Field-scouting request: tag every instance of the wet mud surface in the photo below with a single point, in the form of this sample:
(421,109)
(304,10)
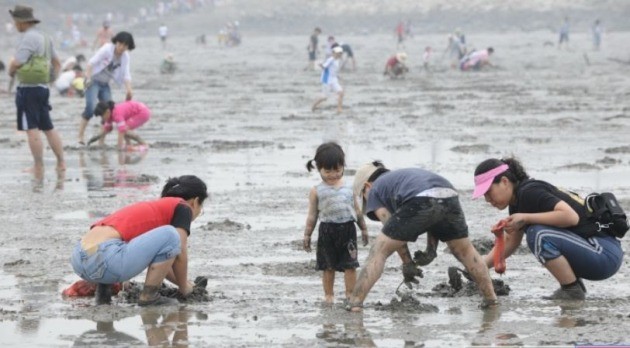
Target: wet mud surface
(242,122)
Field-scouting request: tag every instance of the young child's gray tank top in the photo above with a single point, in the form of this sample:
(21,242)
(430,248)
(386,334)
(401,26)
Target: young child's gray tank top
(335,204)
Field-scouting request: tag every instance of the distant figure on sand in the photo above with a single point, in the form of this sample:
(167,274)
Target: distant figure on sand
(330,80)
(32,96)
(72,62)
(110,62)
(163,32)
(400,35)
(150,235)
(168,65)
(125,116)
(597,34)
(70,82)
(103,36)
(395,66)
(348,54)
(331,202)
(476,60)
(426,57)
(564,33)
(313,48)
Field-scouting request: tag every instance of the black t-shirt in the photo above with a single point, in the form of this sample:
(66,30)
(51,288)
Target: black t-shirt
(536,196)
(182,217)
(314,42)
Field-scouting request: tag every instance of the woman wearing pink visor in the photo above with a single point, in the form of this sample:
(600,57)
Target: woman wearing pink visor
(551,218)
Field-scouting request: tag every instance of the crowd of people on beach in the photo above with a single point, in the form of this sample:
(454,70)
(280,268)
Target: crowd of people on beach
(562,231)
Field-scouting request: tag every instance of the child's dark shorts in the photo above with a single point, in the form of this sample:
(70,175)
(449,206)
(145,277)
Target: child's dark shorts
(443,217)
(337,246)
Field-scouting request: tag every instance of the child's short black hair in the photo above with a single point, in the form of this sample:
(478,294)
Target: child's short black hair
(328,156)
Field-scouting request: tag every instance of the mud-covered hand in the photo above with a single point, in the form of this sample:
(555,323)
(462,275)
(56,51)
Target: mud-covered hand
(515,223)
(410,272)
(307,243)
(93,139)
(423,258)
(364,237)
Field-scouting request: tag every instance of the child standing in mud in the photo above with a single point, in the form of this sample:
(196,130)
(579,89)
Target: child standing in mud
(330,80)
(331,202)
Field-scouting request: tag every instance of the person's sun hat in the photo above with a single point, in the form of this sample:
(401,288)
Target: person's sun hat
(401,56)
(23,14)
(360,178)
(337,49)
(484,180)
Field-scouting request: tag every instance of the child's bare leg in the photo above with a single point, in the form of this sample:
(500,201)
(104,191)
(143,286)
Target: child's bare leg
(340,102)
(350,278)
(317,102)
(328,280)
(134,137)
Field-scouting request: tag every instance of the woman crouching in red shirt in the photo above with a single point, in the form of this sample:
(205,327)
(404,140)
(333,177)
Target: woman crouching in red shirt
(150,235)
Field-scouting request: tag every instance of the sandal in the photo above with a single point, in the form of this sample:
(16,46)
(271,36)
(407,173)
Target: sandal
(354,307)
(158,301)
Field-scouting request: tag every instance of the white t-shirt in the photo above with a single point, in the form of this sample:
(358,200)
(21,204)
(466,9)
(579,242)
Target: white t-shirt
(163,31)
(331,68)
(64,80)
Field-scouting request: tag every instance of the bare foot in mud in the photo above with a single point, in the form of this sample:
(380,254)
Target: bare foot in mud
(329,299)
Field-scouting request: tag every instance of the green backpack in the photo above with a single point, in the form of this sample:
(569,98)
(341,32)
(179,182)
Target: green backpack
(37,69)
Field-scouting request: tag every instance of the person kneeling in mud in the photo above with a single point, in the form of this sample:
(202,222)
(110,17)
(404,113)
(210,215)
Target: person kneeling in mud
(476,60)
(151,235)
(126,116)
(554,222)
(410,202)
(395,66)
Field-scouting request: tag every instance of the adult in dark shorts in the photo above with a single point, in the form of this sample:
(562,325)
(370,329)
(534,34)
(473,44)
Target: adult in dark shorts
(313,49)
(32,98)
(410,202)
(553,220)
(348,54)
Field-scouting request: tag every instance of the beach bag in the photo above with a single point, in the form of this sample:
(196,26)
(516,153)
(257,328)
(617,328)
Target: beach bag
(37,69)
(605,215)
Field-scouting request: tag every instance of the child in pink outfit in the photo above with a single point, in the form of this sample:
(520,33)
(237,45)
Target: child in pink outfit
(125,116)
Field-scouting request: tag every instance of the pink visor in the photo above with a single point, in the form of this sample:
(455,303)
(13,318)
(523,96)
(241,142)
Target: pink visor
(483,181)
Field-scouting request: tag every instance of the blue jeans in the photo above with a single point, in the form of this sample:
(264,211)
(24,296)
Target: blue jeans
(117,261)
(97,90)
(595,258)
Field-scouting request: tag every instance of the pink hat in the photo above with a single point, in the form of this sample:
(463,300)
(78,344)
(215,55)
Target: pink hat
(483,181)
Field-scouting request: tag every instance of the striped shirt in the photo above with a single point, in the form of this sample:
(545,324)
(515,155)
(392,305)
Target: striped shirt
(335,204)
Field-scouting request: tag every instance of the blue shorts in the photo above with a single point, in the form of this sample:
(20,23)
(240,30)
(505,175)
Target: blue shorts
(117,261)
(33,108)
(97,92)
(595,258)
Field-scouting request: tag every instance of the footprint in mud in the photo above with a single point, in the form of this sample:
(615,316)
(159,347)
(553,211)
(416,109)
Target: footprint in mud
(131,293)
(579,166)
(457,287)
(229,145)
(618,149)
(289,269)
(226,225)
(407,302)
(475,148)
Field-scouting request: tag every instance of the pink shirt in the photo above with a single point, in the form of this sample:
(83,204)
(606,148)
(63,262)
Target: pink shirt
(479,56)
(128,115)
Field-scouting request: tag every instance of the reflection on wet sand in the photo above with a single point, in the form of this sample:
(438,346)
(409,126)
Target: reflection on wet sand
(100,174)
(162,327)
(352,333)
